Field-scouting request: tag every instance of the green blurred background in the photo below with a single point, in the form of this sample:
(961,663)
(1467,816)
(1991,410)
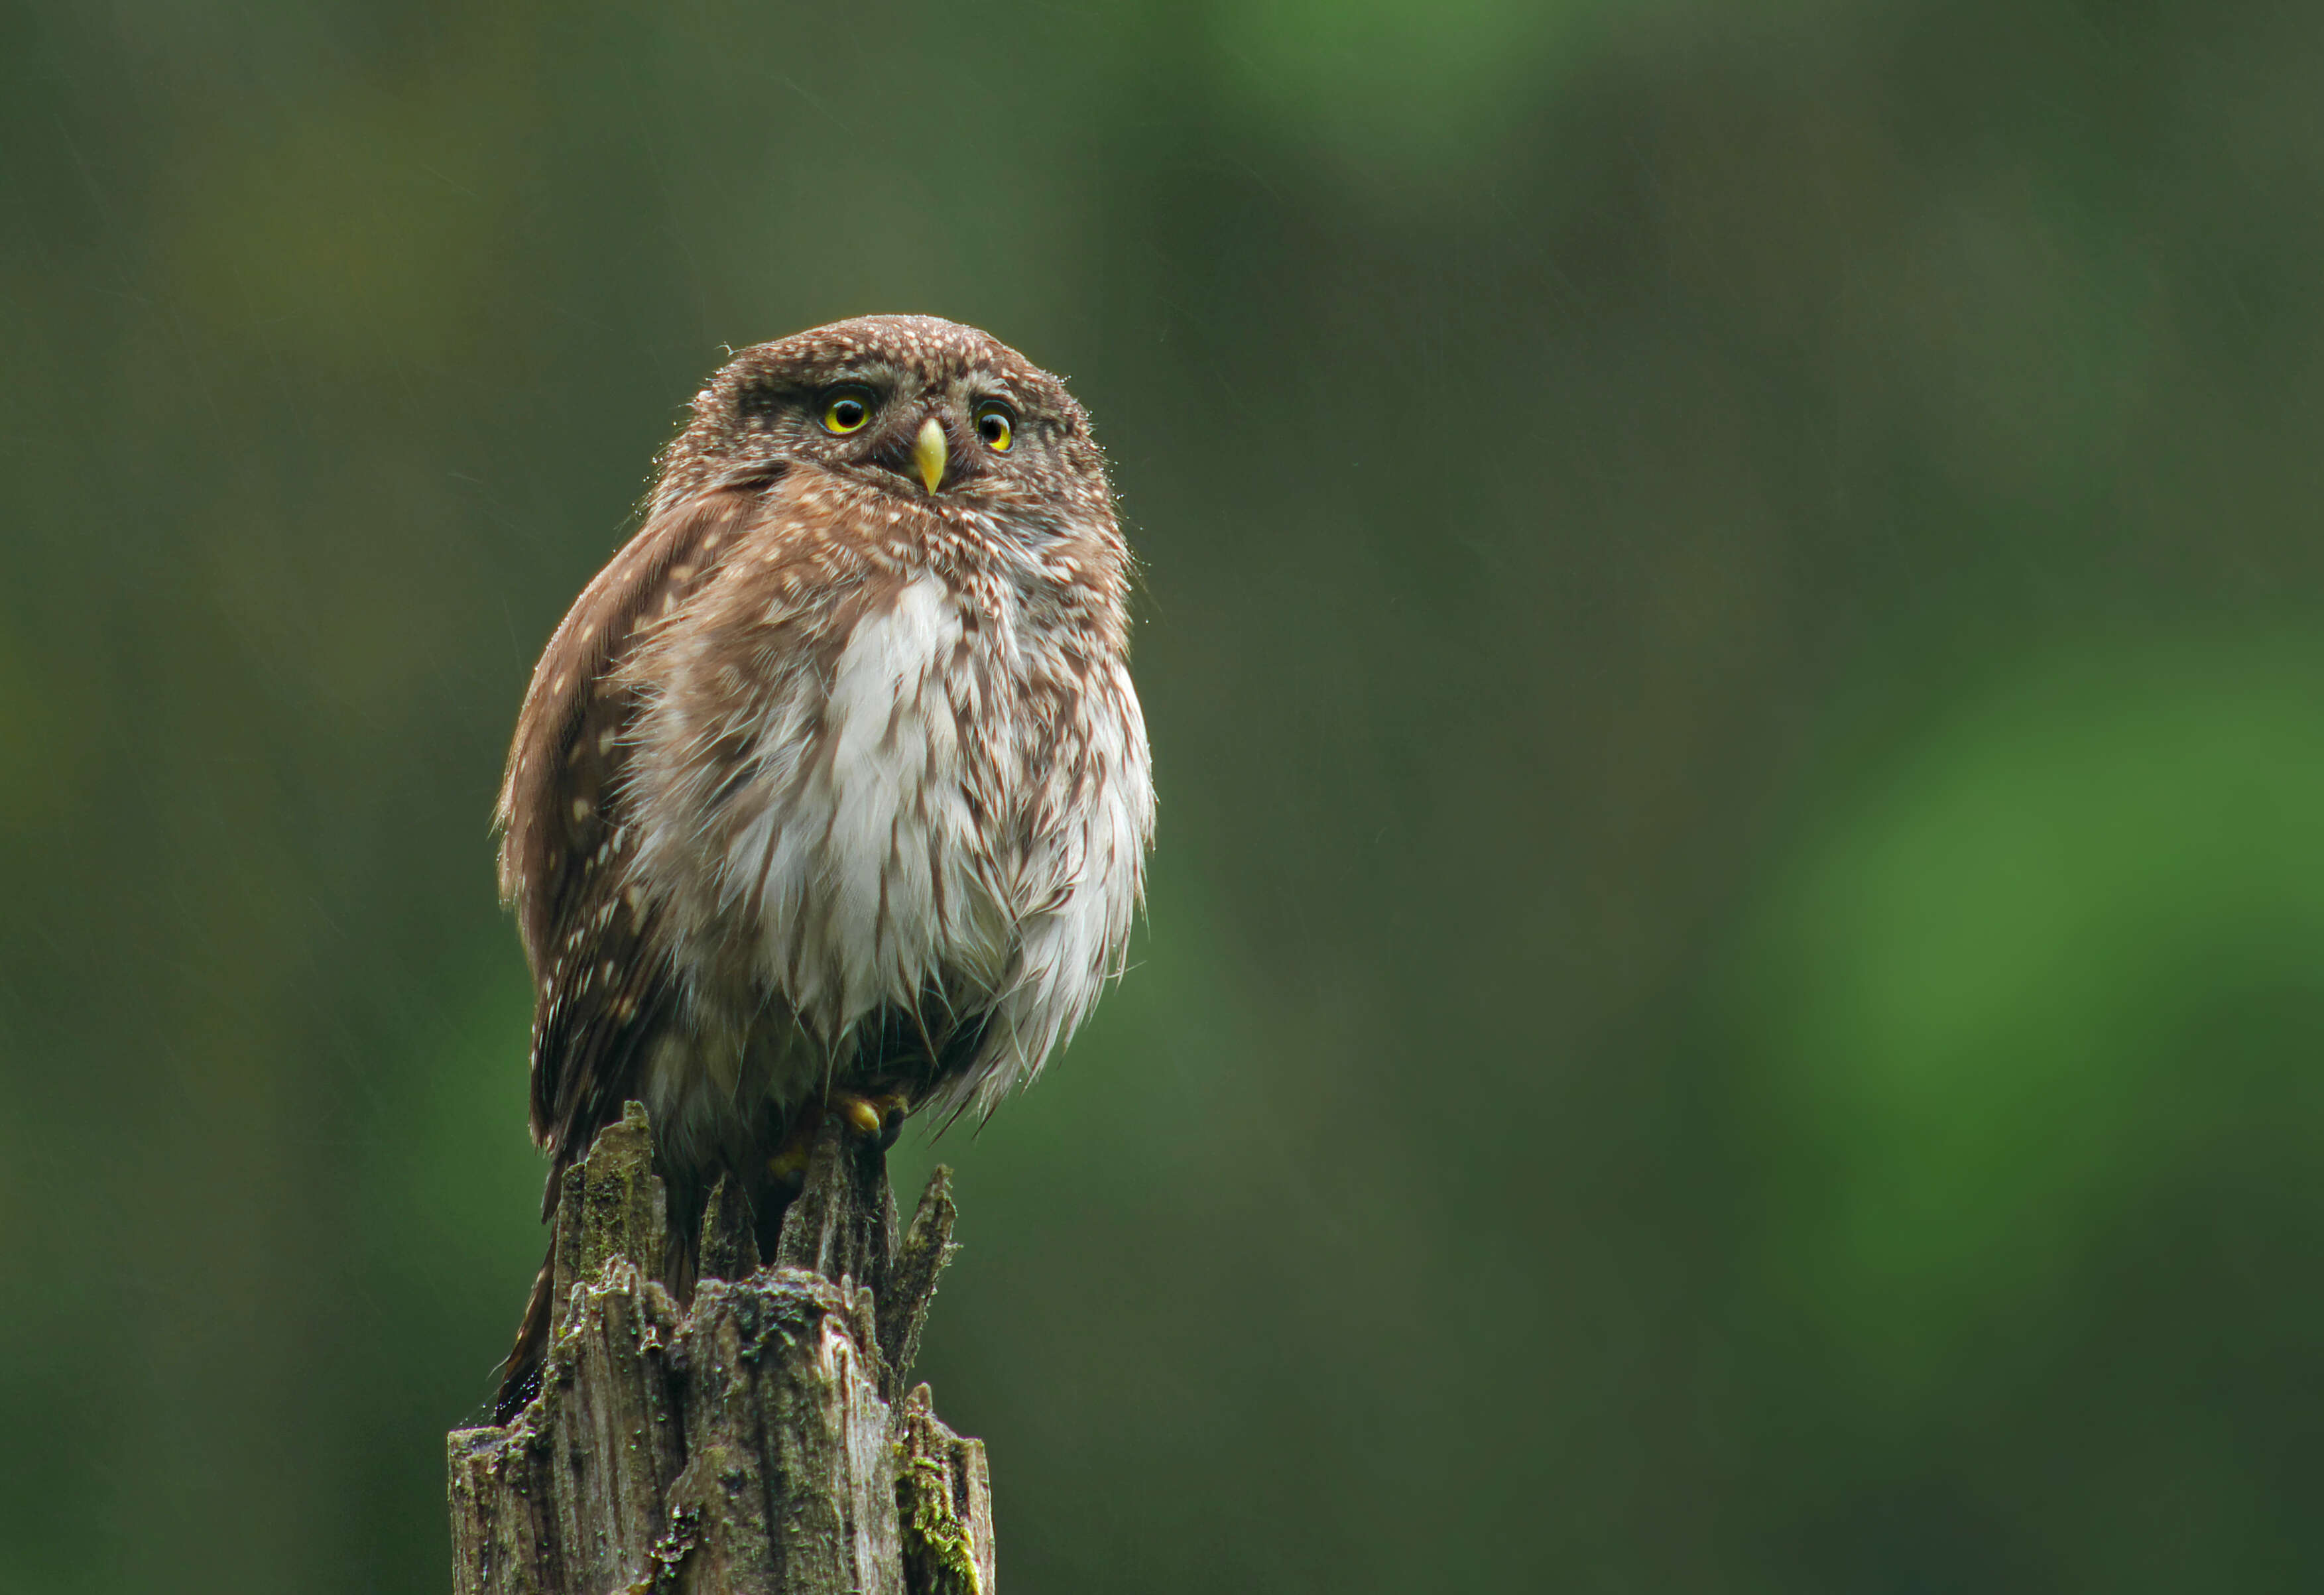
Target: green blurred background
(1731,627)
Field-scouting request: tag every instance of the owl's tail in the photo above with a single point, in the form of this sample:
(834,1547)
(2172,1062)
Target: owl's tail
(520,1374)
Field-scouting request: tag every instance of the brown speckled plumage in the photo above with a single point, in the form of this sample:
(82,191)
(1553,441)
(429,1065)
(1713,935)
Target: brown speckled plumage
(828,779)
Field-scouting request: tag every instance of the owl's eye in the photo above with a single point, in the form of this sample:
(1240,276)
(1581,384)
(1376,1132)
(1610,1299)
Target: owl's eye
(847,411)
(996,424)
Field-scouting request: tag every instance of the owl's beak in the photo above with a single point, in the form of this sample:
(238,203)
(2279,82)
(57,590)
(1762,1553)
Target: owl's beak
(929,452)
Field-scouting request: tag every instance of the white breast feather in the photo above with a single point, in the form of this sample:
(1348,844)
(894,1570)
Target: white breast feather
(849,858)
(1077,895)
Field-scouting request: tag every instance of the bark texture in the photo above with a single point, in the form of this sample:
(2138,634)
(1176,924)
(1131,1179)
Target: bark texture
(758,1442)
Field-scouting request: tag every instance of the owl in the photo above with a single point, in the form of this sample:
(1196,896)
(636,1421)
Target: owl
(831,792)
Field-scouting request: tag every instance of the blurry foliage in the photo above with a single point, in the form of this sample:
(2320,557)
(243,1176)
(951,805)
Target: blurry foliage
(2031,1034)
(1732,996)
(1978,998)
(1400,90)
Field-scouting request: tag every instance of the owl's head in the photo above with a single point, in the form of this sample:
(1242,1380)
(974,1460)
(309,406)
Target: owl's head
(922,407)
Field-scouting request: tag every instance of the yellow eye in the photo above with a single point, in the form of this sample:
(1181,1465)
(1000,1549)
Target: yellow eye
(995,425)
(846,412)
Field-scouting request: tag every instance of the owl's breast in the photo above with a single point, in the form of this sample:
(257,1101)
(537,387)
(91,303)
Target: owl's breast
(848,830)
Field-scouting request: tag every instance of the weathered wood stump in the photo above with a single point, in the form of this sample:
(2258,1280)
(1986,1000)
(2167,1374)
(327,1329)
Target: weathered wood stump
(757,1442)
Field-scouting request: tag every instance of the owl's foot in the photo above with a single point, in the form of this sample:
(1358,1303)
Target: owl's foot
(879,1117)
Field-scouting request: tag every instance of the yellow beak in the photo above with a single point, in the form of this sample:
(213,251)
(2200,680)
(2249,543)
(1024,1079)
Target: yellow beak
(929,452)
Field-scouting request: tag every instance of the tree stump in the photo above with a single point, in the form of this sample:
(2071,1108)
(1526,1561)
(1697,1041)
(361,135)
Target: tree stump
(758,1442)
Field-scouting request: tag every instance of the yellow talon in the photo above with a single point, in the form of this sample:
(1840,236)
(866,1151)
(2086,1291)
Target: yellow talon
(789,1165)
(875,1118)
(858,1112)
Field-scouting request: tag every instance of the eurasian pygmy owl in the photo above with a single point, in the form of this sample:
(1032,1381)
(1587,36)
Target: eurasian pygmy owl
(831,791)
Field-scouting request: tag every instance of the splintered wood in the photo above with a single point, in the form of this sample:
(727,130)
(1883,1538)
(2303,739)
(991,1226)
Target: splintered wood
(758,1442)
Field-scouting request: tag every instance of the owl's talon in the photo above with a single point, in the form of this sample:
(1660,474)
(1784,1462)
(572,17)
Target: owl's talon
(786,1167)
(858,1112)
(875,1118)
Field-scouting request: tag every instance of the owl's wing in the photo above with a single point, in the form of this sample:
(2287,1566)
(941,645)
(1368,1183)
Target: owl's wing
(602,983)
